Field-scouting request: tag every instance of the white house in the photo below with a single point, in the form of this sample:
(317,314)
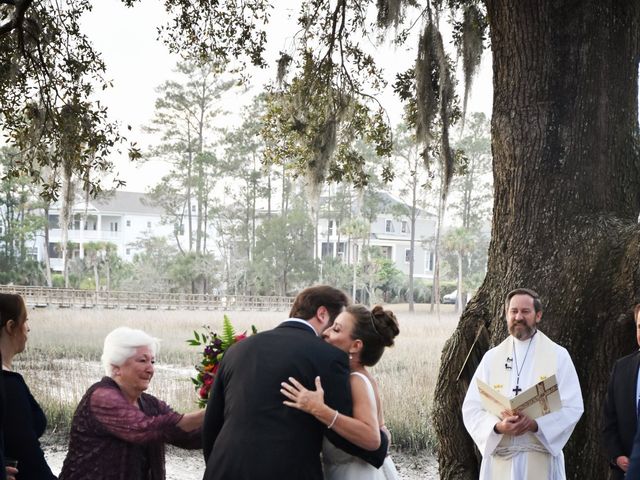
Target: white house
(121,219)
(390,232)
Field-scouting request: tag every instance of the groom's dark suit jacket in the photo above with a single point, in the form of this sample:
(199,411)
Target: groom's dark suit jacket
(619,411)
(249,434)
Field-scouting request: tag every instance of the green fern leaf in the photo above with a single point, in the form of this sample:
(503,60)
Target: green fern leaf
(228,333)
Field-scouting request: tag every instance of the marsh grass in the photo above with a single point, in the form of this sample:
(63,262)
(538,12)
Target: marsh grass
(63,359)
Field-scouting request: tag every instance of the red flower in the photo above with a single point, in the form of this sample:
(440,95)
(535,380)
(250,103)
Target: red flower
(204,392)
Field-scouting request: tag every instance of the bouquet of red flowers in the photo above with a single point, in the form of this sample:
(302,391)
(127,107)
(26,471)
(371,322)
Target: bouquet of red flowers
(214,347)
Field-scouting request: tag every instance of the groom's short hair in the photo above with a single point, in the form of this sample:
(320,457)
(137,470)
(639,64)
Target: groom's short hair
(308,301)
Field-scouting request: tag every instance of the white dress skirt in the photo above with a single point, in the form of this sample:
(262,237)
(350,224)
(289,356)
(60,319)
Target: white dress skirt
(339,465)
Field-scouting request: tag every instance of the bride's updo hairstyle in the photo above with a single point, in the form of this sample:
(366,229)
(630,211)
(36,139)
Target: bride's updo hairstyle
(121,344)
(376,328)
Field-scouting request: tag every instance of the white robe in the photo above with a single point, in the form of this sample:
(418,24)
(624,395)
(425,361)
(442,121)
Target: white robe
(554,429)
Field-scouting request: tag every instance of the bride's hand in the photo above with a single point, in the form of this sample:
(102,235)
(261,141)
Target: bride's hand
(309,401)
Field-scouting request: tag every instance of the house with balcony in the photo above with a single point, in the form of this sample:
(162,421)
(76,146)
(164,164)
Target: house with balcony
(390,232)
(121,219)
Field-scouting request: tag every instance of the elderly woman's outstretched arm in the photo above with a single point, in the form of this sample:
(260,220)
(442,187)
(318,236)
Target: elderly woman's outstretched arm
(127,422)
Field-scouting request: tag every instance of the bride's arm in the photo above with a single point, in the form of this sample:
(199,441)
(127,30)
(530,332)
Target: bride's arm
(383,427)
(362,429)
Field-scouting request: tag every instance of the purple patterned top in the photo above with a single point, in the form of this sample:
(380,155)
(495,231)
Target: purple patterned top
(113,440)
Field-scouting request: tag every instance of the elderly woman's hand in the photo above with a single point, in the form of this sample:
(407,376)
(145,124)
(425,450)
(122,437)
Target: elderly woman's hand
(309,401)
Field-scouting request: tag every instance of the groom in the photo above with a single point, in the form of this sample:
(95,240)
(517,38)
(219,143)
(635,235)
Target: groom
(248,432)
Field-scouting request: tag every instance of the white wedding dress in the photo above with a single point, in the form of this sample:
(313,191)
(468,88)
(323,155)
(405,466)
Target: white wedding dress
(339,465)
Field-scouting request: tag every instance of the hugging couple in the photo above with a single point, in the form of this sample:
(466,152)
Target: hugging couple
(284,395)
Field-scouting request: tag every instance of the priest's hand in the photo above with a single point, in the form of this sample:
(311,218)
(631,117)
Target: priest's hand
(515,425)
(622,462)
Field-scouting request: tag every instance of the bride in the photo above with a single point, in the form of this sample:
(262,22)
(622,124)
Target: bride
(363,334)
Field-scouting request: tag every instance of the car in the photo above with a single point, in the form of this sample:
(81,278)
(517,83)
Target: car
(450,298)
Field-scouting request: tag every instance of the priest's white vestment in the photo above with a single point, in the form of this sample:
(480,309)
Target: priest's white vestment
(531,456)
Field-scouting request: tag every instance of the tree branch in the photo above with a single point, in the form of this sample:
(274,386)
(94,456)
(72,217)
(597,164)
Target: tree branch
(16,20)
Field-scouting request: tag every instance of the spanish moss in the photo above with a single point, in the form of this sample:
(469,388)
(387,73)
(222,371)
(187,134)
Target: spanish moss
(470,47)
(446,94)
(283,67)
(390,12)
(426,84)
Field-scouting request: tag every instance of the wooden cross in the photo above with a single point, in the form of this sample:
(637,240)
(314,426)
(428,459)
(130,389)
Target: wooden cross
(541,397)
(542,394)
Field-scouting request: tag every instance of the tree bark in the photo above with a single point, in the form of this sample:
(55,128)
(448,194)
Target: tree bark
(412,241)
(45,253)
(566,204)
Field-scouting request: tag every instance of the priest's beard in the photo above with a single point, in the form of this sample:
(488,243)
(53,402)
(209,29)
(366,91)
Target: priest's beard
(521,333)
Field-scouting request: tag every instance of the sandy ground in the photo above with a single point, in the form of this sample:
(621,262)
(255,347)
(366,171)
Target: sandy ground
(188,465)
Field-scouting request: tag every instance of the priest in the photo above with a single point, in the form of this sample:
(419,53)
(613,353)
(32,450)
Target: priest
(515,446)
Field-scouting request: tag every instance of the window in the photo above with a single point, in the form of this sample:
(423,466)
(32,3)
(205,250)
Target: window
(76,222)
(148,224)
(54,250)
(54,221)
(387,251)
(113,226)
(128,223)
(327,249)
(341,249)
(405,226)
(330,228)
(388,226)
(407,255)
(193,208)
(179,229)
(429,263)
(128,251)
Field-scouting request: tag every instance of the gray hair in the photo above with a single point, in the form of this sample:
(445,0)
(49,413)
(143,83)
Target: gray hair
(122,343)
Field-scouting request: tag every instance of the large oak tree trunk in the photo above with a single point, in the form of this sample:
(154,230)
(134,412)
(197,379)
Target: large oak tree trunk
(567,198)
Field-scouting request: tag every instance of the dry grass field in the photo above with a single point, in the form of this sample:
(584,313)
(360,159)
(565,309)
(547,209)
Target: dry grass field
(63,352)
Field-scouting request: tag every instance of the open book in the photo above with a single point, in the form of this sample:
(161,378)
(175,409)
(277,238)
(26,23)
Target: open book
(540,399)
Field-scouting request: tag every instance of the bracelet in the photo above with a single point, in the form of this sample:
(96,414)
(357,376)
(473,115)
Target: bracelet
(333,422)
(495,429)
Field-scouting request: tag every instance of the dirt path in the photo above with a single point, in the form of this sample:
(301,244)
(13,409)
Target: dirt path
(188,465)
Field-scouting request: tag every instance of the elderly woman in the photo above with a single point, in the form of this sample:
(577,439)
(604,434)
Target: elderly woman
(118,431)
(23,420)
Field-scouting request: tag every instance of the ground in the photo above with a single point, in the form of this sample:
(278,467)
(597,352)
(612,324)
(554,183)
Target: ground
(188,465)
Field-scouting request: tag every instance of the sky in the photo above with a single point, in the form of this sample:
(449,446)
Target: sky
(138,63)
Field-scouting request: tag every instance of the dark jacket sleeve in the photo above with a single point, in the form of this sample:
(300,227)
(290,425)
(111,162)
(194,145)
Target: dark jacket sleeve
(634,465)
(214,415)
(338,395)
(3,475)
(23,424)
(611,441)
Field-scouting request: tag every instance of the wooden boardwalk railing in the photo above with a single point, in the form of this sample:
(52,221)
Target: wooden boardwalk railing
(68,298)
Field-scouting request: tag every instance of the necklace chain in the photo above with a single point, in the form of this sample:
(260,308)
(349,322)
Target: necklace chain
(515,359)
